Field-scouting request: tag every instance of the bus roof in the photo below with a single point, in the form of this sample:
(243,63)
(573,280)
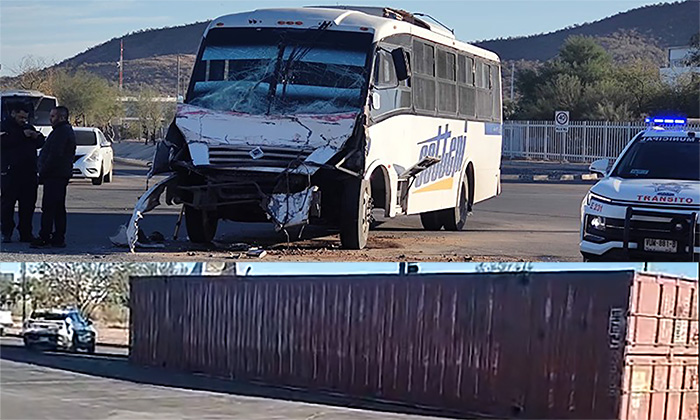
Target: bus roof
(383,21)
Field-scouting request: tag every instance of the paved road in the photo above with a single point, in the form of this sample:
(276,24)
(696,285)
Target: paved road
(528,221)
(57,385)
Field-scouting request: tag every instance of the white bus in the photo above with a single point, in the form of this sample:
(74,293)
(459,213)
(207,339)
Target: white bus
(323,114)
(38,104)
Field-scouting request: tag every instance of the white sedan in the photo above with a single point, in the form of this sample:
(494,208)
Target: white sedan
(94,158)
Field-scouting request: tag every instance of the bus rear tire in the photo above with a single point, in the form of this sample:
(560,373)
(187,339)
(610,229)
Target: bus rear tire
(455,219)
(355,214)
(201,225)
(431,220)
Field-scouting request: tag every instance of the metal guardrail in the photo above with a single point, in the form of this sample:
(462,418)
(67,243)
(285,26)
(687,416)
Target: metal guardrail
(585,141)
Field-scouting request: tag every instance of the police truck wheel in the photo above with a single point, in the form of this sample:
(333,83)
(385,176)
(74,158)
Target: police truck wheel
(201,225)
(356,212)
(430,220)
(74,345)
(455,219)
(100,177)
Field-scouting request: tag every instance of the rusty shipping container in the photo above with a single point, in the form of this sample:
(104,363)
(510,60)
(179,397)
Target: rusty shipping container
(586,344)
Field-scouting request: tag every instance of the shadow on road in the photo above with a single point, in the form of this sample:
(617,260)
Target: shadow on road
(114,366)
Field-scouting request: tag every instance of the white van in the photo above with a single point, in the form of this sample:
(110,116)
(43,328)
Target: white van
(38,104)
(94,157)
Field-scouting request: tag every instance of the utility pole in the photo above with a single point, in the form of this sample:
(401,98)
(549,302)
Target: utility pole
(177,94)
(512,79)
(121,63)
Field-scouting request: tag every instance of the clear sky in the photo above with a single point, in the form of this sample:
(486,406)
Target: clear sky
(54,30)
(689,270)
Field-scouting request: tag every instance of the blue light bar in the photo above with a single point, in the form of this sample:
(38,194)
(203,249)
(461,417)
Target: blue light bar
(666,121)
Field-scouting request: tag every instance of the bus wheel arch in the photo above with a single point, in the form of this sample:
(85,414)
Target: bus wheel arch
(455,219)
(380,188)
(469,173)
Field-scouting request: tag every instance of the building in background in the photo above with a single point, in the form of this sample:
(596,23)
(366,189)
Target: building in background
(678,64)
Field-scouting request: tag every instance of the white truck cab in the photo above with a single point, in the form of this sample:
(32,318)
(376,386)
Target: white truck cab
(646,206)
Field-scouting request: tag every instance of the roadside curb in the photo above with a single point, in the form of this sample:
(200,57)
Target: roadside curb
(550,177)
(133,162)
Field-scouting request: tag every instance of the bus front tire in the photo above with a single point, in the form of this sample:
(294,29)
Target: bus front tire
(201,225)
(355,214)
(455,219)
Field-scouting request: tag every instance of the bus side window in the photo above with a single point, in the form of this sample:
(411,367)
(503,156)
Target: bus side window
(423,83)
(484,100)
(384,71)
(447,88)
(466,92)
(496,93)
(393,94)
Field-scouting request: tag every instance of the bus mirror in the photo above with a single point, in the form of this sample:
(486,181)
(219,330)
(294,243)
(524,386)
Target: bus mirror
(401,64)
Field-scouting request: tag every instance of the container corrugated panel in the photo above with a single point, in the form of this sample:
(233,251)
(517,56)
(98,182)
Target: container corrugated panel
(532,345)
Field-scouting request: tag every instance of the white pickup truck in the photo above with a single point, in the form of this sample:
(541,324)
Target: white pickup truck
(647,206)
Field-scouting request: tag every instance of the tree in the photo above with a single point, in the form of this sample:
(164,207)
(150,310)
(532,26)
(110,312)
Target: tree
(92,100)
(584,58)
(10,290)
(33,73)
(151,112)
(639,82)
(121,284)
(693,59)
(83,285)
(561,83)
(582,80)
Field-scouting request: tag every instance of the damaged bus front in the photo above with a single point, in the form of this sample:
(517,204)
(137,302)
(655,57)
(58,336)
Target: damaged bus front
(272,128)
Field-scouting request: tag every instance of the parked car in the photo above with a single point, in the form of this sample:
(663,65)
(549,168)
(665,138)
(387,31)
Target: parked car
(94,157)
(646,206)
(54,329)
(5,321)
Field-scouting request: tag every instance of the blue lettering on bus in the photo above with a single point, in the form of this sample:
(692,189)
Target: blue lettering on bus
(449,149)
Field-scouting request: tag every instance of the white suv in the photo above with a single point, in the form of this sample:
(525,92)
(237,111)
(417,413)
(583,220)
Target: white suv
(647,205)
(94,157)
(59,329)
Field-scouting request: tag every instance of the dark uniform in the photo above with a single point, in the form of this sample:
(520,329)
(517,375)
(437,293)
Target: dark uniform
(19,180)
(55,169)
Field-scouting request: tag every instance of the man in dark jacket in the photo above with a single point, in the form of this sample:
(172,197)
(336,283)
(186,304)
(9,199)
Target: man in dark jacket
(55,169)
(18,145)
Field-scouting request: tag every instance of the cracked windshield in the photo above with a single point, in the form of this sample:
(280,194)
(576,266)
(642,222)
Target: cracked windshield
(281,72)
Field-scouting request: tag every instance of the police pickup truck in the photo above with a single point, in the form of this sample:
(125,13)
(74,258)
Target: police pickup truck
(646,206)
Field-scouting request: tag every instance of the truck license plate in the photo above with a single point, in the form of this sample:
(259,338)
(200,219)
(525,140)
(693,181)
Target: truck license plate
(660,245)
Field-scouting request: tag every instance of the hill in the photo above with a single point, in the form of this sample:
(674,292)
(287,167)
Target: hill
(144,44)
(663,25)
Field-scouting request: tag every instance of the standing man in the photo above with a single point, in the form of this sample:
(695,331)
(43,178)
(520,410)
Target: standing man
(18,145)
(55,169)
